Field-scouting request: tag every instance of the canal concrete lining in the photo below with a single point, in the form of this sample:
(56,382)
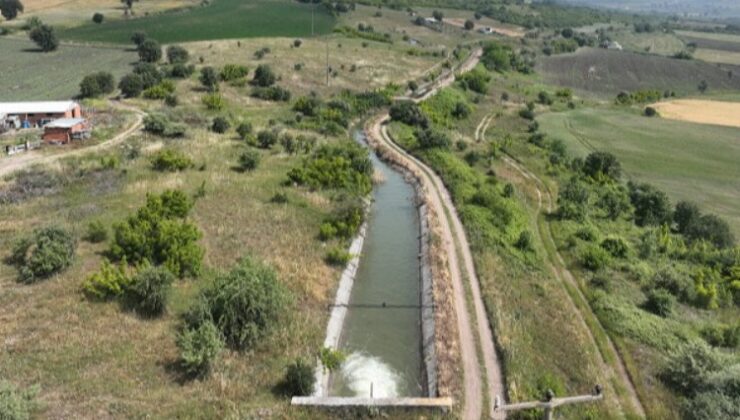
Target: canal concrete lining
(442,404)
(428,341)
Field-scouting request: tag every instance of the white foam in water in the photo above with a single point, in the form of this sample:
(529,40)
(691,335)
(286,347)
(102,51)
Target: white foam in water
(360,370)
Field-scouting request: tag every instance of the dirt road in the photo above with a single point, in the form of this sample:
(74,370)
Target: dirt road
(14,163)
(473,327)
(560,270)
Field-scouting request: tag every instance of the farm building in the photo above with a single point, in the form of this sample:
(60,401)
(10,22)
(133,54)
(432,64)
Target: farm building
(36,114)
(64,130)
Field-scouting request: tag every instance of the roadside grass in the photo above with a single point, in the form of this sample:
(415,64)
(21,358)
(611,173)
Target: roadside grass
(541,342)
(694,162)
(601,73)
(28,74)
(222,19)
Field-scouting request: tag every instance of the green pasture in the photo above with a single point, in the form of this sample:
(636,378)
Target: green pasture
(223,19)
(689,161)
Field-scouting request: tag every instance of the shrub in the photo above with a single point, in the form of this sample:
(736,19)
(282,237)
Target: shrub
(509,190)
(244,304)
(96,232)
(131,85)
(149,290)
(721,335)
(209,79)
(264,76)
(272,93)
(602,164)
(650,111)
(297,43)
(177,54)
(199,348)
(524,242)
(344,222)
(47,252)
(331,359)
(171,101)
(652,206)
(689,366)
(109,282)
(16,403)
(160,91)
(220,125)
(149,51)
(149,73)
(712,405)
(337,256)
(181,71)
(139,37)
(267,138)
(98,18)
(587,233)
(299,378)
(96,84)
(244,130)
(594,258)
(475,80)
(430,138)
(231,72)
(213,101)
(156,234)
(461,111)
(408,113)
(617,247)
(249,160)
(660,302)
(338,166)
(171,161)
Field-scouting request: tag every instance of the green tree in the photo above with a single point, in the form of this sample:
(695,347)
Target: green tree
(138,38)
(149,73)
(96,84)
(438,16)
(652,206)
(469,25)
(199,348)
(602,164)
(45,37)
(10,8)
(150,51)
(209,78)
(703,86)
(131,85)
(98,18)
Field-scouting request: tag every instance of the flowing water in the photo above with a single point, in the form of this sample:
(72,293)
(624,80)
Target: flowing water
(383,344)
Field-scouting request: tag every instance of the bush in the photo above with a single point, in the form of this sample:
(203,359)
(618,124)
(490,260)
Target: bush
(721,335)
(177,54)
(181,71)
(587,233)
(272,93)
(712,406)
(171,101)
(594,258)
(209,78)
(599,165)
(264,76)
(157,234)
(199,348)
(109,282)
(160,91)
(524,242)
(98,18)
(650,111)
(299,379)
(131,85)
(96,84)
(689,366)
(47,252)
(244,304)
(220,125)
(149,290)
(96,232)
(249,160)
(244,130)
(231,72)
(267,138)
(161,125)
(652,206)
(338,166)
(337,256)
(475,80)
(15,403)
(617,247)
(408,113)
(214,101)
(171,161)
(149,73)
(430,138)
(660,302)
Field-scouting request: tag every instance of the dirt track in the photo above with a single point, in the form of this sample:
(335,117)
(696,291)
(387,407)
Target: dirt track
(473,328)
(15,163)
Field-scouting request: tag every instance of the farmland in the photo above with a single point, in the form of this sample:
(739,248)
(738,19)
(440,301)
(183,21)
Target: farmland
(223,19)
(599,72)
(689,161)
(701,111)
(31,75)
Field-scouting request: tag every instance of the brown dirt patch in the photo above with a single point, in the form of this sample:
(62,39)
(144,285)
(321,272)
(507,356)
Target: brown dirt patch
(512,31)
(701,111)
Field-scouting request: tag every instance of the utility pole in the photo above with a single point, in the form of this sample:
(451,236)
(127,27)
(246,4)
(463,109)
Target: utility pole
(550,403)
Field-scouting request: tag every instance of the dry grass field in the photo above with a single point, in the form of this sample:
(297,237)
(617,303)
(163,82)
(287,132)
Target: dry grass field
(718,56)
(77,12)
(701,111)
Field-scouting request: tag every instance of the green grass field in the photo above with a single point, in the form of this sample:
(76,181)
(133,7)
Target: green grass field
(31,75)
(600,72)
(223,19)
(689,161)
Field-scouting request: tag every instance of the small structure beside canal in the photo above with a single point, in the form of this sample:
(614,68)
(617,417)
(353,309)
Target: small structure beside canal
(64,130)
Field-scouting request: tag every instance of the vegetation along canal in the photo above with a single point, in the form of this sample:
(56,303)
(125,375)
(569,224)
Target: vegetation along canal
(383,342)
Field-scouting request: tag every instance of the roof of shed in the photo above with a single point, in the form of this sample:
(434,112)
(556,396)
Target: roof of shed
(65,122)
(36,107)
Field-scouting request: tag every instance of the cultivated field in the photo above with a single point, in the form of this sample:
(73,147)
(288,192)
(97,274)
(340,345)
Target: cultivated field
(718,56)
(700,111)
(77,12)
(223,19)
(31,75)
(654,43)
(608,72)
(689,161)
